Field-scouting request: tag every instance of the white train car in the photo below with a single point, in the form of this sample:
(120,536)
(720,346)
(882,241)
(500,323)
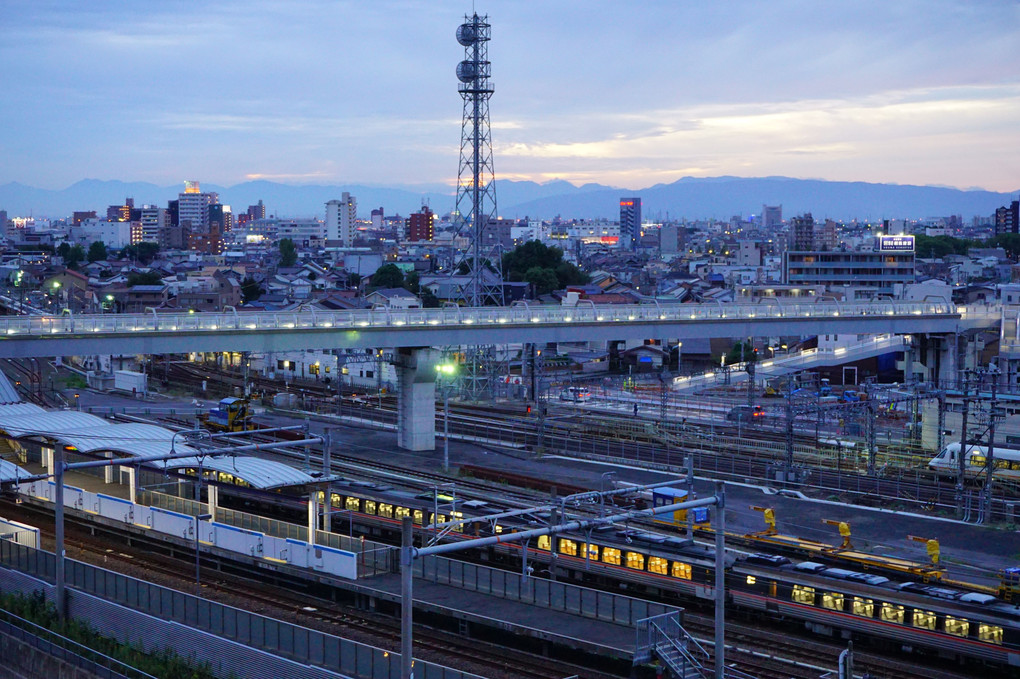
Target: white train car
(975,462)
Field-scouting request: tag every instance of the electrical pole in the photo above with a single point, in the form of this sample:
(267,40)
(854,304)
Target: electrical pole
(961,466)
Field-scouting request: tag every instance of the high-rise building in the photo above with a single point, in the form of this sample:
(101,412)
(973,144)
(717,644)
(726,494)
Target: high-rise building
(257,211)
(802,233)
(340,217)
(669,238)
(771,216)
(121,213)
(630,222)
(1007,219)
(377,219)
(421,225)
(153,220)
(193,207)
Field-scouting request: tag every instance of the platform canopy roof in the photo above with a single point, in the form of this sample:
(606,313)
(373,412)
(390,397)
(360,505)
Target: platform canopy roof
(89,433)
(257,472)
(10,472)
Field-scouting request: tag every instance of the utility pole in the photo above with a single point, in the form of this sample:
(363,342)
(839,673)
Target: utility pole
(986,491)
(961,466)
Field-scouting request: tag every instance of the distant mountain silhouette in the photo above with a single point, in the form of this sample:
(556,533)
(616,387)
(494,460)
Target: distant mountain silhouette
(690,197)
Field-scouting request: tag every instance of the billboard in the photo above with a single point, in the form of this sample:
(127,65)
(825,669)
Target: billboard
(896,244)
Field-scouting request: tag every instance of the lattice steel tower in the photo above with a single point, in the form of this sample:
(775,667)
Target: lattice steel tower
(476,187)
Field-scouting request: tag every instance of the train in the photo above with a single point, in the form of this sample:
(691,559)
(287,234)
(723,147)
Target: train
(938,620)
(1007,462)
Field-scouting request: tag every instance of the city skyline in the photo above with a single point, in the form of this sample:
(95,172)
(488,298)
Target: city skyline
(314,92)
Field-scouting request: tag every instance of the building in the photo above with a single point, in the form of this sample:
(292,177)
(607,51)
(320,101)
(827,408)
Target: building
(377,219)
(863,274)
(771,216)
(154,220)
(420,225)
(114,234)
(669,239)
(1007,219)
(305,233)
(193,208)
(340,217)
(630,222)
(802,233)
(78,217)
(257,211)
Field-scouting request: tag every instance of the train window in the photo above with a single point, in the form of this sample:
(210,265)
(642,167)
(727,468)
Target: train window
(892,613)
(401,512)
(593,552)
(611,555)
(863,607)
(352,503)
(457,516)
(990,633)
(419,517)
(439,518)
(656,564)
(386,510)
(751,579)
(568,547)
(636,560)
(544,542)
(924,619)
(335,500)
(681,570)
(977,460)
(804,595)
(833,601)
(370,506)
(957,626)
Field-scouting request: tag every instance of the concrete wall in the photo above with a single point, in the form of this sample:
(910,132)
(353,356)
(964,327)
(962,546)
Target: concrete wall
(21,661)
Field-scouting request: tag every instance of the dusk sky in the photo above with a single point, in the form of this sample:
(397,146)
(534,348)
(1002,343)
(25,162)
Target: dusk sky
(623,93)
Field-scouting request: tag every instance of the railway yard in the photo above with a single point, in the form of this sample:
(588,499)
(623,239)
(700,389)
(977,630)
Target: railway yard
(811,566)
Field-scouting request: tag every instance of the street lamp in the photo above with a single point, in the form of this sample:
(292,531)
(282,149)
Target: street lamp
(198,576)
(446,373)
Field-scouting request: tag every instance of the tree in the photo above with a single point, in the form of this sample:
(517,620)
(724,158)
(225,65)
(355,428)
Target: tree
(250,289)
(64,248)
(74,256)
(143,252)
(353,280)
(543,279)
(518,264)
(428,299)
(147,278)
(412,282)
(568,274)
(97,251)
(1010,242)
(288,252)
(388,276)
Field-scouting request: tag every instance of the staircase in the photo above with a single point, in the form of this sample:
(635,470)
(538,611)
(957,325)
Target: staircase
(662,638)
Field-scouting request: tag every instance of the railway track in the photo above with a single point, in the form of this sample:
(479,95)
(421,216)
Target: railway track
(435,645)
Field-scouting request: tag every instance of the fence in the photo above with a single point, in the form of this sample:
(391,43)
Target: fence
(229,637)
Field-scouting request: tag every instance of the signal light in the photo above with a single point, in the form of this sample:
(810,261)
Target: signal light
(529,410)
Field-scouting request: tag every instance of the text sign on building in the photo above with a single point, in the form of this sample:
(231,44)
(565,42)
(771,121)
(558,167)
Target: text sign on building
(896,244)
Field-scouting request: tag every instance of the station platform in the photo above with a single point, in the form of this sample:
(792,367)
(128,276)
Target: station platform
(562,629)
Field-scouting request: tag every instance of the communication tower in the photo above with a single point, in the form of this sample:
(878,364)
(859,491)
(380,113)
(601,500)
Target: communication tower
(476,187)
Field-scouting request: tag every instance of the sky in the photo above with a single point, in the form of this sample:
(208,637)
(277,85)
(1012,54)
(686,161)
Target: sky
(628,94)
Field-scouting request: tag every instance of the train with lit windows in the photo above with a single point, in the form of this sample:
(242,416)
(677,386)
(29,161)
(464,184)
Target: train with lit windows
(934,619)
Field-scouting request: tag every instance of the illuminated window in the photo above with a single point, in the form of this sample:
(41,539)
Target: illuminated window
(924,619)
(892,613)
(833,601)
(544,542)
(497,529)
(457,516)
(593,552)
(804,595)
(611,555)
(990,633)
(353,503)
(385,510)
(568,547)
(440,518)
(636,561)
(335,500)
(681,570)
(419,517)
(401,512)
(751,579)
(656,564)
(957,626)
(864,607)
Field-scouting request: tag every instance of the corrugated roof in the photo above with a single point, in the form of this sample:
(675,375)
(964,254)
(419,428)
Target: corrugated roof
(262,474)
(11,472)
(52,423)
(20,409)
(8,394)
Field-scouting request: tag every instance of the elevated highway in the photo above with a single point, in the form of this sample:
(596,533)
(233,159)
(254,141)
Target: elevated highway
(168,333)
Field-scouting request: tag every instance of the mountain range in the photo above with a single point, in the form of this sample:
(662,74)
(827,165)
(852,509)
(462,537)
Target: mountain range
(690,197)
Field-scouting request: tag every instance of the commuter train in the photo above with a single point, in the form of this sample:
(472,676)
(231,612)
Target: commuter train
(949,623)
(975,462)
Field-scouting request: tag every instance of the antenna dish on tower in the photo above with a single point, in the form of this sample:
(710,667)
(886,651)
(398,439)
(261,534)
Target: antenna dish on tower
(467,34)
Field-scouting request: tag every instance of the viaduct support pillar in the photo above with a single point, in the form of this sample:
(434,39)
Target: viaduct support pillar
(416,399)
(949,360)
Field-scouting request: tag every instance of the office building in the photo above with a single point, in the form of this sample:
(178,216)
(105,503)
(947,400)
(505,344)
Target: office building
(340,217)
(630,223)
(669,239)
(884,269)
(1007,219)
(154,220)
(771,216)
(193,208)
